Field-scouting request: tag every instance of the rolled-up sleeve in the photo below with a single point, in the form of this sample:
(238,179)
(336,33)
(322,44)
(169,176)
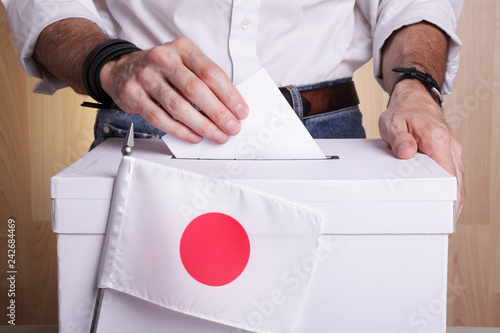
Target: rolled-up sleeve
(27,19)
(386,16)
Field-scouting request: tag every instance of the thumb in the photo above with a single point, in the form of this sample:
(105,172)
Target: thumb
(397,138)
(403,145)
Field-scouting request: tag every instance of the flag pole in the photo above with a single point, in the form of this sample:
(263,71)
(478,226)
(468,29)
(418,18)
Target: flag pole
(97,310)
(128,144)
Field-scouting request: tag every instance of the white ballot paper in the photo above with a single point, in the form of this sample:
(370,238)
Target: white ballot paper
(272,130)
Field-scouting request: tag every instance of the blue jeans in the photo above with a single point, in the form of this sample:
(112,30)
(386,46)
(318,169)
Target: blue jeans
(344,123)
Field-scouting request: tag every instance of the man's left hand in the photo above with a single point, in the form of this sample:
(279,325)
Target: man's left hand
(413,122)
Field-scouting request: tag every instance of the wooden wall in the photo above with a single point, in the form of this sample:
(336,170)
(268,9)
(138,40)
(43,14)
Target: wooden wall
(40,135)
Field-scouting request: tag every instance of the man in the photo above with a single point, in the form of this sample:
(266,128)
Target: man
(194,51)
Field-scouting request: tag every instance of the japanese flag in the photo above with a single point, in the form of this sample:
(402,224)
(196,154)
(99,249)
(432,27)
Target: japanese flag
(226,257)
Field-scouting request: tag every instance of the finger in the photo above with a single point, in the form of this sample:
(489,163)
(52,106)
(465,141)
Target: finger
(447,151)
(134,99)
(218,82)
(160,119)
(193,88)
(457,153)
(215,78)
(395,134)
(183,112)
(436,142)
(197,91)
(142,96)
(143,86)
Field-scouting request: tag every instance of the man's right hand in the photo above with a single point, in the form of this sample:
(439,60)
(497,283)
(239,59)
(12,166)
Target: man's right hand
(172,76)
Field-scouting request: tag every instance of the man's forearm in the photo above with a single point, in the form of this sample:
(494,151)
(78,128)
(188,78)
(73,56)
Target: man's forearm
(414,121)
(420,45)
(63,46)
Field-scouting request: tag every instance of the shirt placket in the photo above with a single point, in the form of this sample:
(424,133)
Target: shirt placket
(243,39)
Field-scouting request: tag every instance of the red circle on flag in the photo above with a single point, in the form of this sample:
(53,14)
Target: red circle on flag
(214,249)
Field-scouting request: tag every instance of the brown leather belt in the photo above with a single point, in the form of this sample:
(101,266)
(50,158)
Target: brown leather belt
(325,99)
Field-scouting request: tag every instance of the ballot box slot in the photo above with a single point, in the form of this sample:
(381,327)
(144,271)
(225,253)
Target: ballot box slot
(329,157)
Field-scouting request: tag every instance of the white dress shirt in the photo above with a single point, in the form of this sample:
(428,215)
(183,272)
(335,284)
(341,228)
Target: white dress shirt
(297,41)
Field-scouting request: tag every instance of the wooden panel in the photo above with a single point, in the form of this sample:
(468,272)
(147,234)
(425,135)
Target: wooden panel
(473,115)
(467,266)
(14,169)
(40,135)
(60,133)
(494,301)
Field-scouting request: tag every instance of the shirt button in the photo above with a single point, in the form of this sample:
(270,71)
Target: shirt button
(245,24)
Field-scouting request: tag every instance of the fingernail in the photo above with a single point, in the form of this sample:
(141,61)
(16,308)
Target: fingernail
(221,137)
(403,148)
(233,127)
(241,111)
(193,138)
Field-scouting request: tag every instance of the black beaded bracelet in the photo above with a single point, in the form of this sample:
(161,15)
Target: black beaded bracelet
(425,78)
(97,58)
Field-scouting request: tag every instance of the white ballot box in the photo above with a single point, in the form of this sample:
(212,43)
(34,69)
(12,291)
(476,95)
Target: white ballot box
(382,265)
